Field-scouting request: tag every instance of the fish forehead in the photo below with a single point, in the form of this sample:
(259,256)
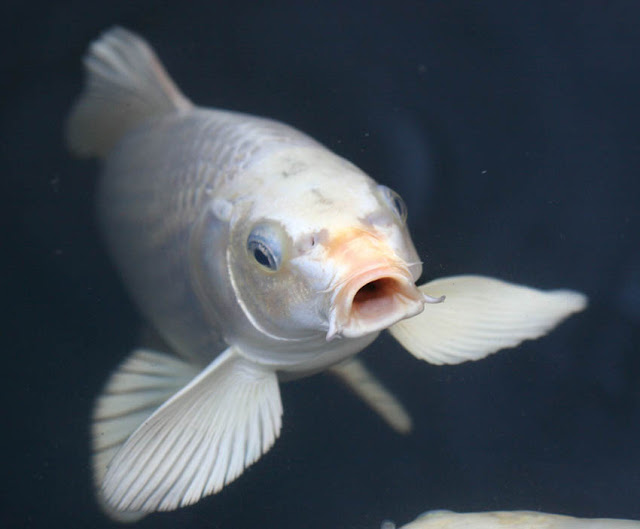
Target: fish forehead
(310,190)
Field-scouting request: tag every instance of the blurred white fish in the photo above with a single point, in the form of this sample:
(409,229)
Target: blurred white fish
(257,255)
(513,520)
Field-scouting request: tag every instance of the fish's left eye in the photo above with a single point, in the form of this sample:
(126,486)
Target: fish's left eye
(395,201)
(264,244)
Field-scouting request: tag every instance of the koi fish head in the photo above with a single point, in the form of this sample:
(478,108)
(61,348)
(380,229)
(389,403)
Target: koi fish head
(329,255)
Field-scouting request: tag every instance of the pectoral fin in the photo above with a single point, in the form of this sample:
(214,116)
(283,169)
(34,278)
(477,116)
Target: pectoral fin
(364,384)
(480,316)
(142,383)
(199,440)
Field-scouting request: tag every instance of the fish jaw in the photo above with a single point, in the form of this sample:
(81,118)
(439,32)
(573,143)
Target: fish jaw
(378,291)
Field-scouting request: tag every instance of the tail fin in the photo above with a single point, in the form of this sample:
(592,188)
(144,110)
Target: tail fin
(125,84)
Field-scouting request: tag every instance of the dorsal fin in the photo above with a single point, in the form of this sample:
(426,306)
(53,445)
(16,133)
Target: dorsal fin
(125,84)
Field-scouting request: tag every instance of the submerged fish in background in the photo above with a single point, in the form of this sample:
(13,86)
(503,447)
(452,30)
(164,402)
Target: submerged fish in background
(513,520)
(257,255)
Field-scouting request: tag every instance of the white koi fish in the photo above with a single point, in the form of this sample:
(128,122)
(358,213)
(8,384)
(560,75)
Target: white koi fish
(257,255)
(513,520)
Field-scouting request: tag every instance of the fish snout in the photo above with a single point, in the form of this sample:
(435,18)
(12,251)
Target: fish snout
(378,292)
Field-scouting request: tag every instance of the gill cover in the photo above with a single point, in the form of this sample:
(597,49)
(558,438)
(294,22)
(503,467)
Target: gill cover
(274,296)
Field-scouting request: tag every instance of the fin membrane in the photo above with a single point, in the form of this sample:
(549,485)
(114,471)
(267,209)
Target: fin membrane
(480,316)
(143,382)
(366,386)
(199,440)
(125,84)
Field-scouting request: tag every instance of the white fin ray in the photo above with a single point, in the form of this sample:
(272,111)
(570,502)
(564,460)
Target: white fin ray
(134,391)
(125,84)
(481,315)
(364,384)
(199,440)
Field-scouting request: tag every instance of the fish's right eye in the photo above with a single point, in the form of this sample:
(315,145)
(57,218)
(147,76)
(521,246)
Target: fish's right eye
(395,201)
(263,255)
(265,246)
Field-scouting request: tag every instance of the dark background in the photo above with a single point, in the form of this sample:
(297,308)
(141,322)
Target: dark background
(512,129)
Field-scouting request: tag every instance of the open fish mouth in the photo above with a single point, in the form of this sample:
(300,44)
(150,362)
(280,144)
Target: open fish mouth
(374,300)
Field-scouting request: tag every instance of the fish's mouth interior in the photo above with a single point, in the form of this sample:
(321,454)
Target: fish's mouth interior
(374,298)
(373,301)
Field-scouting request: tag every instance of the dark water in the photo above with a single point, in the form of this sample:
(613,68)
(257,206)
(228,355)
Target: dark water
(512,131)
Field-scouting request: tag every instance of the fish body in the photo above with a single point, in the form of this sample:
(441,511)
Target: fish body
(514,520)
(257,255)
(177,266)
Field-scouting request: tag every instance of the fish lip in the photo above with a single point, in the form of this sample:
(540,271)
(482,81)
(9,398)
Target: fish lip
(399,299)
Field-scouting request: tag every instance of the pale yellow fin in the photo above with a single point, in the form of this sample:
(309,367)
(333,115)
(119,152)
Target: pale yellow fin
(481,315)
(143,382)
(364,384)
(125,84)
(513,520)
(198,441)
